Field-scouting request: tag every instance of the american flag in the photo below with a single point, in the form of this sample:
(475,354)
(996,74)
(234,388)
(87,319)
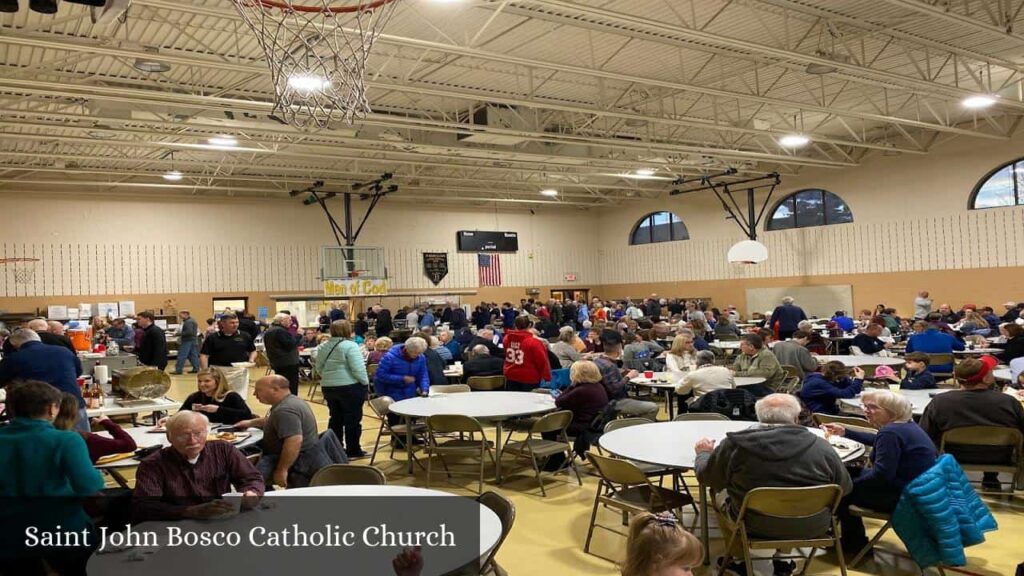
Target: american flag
(489,266)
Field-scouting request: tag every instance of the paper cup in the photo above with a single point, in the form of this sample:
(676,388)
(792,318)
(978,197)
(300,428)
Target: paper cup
(648,374)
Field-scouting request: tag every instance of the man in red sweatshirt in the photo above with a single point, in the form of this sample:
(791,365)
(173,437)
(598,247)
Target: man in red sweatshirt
(526,358)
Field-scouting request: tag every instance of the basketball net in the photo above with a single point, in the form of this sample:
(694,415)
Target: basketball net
(317,55)
(22,269)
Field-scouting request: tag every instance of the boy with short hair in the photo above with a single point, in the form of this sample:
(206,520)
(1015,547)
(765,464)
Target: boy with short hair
(918,376)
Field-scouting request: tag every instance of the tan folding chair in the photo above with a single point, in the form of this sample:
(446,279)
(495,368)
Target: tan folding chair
(887,524)
(939,359)
(486,383)
(348,475)
(535,446)
(852,422)
(990,436)
(625,487)
(783,503)
(792,371)
(726,337)
(506,512)
(371,371)
(440,445)
(699,416)
(450,389)
(381,405)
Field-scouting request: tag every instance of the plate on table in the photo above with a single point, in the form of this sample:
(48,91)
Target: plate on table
(226,436)
(842,446)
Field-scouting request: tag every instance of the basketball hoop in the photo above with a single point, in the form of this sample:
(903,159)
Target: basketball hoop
(317,55)
(23,269)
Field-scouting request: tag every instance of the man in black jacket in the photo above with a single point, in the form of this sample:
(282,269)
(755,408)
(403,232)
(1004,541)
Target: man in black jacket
(283,351)
(153,348)
(247,324)
(484,337)
(481,363)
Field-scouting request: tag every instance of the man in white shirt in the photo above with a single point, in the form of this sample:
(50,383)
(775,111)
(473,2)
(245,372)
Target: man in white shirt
(922,305)
(412,319)
(705,378)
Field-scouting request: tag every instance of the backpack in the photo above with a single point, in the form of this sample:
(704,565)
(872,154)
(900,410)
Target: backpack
(735,404)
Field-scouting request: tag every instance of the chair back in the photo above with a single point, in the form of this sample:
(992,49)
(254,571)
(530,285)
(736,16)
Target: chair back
(983,436)
(617,472)
(484,383)
(792,371)
(625,423)
(940,359)
(553,422)
(699,416)
(506,512)
(450,388)
(858,424)
(792,503)
(453,423)
(381,405)
(371,370)
(348,475)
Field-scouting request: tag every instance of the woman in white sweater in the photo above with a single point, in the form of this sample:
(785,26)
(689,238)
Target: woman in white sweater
(680,357)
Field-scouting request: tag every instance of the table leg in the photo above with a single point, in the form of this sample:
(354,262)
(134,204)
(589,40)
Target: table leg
(121,481)
(497,451)
(408,442)
(704,536)
(671,405)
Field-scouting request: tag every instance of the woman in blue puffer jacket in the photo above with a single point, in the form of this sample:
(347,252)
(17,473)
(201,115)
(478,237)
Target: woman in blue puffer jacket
(402,371)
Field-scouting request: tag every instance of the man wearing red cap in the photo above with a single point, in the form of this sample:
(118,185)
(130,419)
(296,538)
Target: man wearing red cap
(974,404)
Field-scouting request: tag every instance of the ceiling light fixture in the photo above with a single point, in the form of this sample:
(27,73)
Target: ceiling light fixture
(173,175)
(978,102)
(151,64)
(550,192)
(646,171)
(223,141)
(794,140)
(308,83)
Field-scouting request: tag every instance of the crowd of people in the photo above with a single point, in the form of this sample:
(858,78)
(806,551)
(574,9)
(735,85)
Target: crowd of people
(598,347)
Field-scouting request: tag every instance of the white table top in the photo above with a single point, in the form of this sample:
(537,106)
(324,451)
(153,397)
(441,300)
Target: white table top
(861,360)
(918,398)
(490,524)
(671,443)
(1003,374)
(726,345)
(977,351)
(480,405)
(664,380)
(144,439)
(110,407)
(168,560)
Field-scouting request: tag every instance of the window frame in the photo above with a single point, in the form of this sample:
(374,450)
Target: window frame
(792,199)
(1018,195)
(648,218)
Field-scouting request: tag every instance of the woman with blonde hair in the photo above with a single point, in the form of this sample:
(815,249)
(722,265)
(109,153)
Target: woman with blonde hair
(681,356)
(659,546)
(344,382)
(215,399)
(380,348)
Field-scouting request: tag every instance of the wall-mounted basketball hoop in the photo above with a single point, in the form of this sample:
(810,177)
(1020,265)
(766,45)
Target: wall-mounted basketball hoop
(748,251)
(23,269)
(317,53)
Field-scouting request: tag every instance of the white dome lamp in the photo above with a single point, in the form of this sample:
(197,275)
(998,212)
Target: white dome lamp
(748,252)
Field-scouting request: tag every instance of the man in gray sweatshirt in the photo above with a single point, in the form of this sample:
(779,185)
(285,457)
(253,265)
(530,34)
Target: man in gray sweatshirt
(777,453)
(188,343)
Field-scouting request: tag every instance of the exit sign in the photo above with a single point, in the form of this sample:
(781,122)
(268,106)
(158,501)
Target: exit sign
(570,277)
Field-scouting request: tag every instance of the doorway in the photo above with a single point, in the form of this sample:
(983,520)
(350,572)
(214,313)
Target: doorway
(234,303)
(575,294)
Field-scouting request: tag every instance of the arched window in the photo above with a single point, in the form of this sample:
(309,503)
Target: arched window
(1003,186)
(812,207)
(658,227)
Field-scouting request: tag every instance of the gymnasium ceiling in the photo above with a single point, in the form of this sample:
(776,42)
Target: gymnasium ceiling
(582,94)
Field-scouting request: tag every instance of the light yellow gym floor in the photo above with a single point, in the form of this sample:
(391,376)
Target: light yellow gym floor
(548,534)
